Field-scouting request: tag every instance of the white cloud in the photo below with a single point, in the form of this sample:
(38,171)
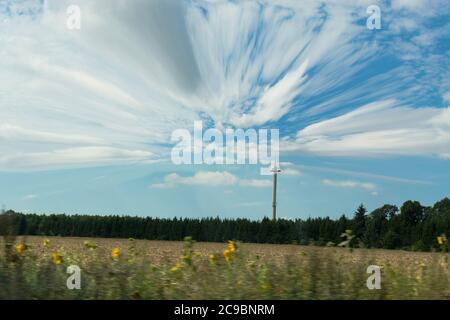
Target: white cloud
(30,197)
(209,178)
(383,128)
(275,101)
(365,175)
(72,157)
(290,172)
(289,169)
(107,85)
(205,178)
(139,70)
(350,184)
(413,5)
(136,72)
(256,183)
(18,134)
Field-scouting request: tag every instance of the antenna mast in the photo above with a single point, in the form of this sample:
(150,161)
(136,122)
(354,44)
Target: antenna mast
(275,171)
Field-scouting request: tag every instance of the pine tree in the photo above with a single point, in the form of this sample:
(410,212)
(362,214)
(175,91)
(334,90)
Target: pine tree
(359,222)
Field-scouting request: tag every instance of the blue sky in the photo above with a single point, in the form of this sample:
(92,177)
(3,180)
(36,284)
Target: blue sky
(86,116)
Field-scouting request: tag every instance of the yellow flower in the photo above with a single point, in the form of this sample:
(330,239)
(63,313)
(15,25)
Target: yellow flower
(440,240)
(176,267)
(45,242)
(211,258)
(57,259)
(227,254)
(232,246)
(115,253)
(20,248)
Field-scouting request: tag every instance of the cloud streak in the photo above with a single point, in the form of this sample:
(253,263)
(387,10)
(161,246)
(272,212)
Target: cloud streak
(349,184)
(378,129)
(114,91)
(211,179)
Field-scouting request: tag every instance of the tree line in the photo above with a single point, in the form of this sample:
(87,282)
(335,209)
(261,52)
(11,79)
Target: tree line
(410,227)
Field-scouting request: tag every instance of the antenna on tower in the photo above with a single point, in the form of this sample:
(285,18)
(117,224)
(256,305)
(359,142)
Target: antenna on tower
(275,170)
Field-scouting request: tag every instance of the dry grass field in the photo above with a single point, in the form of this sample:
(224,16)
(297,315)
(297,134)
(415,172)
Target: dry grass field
(35,268)
(161,252)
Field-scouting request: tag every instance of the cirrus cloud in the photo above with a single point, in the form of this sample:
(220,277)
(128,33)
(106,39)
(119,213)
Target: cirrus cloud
(377,129)
(141,69)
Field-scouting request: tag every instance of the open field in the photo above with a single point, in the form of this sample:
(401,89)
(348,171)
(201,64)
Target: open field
(142,269)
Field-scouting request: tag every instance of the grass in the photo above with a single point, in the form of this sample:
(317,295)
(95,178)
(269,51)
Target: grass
(142,269)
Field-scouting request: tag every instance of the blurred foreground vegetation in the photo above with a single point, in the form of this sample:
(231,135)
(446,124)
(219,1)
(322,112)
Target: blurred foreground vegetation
(38,270)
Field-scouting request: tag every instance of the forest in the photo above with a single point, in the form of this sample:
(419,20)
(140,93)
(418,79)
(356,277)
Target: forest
(410,227)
